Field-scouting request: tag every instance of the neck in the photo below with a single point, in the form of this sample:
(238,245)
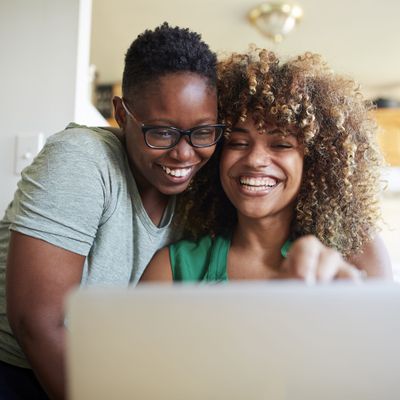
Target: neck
(264,237)
(271,228)
(154,202)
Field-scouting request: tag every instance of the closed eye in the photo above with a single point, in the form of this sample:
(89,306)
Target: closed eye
(283,145)
(160,132)
(236,144)
(238,138)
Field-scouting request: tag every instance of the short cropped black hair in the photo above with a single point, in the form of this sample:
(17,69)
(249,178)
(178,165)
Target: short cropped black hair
(166,49)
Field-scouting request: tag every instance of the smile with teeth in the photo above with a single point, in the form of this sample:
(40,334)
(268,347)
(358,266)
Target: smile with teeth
(177,172)
(257,184)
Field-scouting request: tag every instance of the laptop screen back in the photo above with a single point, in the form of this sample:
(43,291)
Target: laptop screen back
(235,341)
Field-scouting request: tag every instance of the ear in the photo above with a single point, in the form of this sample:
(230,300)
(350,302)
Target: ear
(119,112)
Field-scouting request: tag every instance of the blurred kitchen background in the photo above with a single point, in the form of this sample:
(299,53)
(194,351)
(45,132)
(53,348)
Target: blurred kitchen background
(62,61)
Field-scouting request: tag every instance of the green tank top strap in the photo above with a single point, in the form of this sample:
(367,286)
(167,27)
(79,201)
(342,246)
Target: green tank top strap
(204,260)
(286,247)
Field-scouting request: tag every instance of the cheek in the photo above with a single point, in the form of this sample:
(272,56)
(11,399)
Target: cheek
(227,160)
(205,153)
(134,142)
(297,170)
(294,163)
(224,167)
(299,166)
(141,154)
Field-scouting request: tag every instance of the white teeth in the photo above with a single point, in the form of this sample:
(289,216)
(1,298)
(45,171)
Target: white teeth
(178,172)
(257,182)
(256,188)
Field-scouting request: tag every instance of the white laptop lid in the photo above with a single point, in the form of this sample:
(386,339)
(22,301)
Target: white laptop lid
(235,341)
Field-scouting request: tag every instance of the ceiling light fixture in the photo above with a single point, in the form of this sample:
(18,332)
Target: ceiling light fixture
(275,18)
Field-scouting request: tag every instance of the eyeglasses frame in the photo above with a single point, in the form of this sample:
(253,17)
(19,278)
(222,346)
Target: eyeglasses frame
(182,132)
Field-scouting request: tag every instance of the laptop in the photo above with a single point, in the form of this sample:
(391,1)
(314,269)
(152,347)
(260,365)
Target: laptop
(253,341)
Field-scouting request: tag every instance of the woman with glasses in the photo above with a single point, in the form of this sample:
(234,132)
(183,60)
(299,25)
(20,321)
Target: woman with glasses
(299,158)
(97,203)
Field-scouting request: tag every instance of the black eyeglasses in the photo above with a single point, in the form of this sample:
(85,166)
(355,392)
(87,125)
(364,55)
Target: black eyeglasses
(166,137)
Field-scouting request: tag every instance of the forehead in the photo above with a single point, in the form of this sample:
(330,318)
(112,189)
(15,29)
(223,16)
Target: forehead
(187,84)
(252,125)
(181,99)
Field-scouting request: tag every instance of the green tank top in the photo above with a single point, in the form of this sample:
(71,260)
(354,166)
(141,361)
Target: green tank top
(203,260)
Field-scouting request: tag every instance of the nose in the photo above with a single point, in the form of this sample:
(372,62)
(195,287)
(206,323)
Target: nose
(182,151)
(259,156)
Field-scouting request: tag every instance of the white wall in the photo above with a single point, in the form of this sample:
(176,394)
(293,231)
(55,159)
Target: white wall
(38,42)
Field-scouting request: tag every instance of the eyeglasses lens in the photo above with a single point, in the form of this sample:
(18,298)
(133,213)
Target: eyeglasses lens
(166,138)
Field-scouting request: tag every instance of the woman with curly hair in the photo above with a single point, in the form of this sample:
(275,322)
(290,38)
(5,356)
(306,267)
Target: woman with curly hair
(299,158)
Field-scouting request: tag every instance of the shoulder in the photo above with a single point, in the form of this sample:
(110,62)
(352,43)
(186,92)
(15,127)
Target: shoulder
(185,260)
(90,140)
(192,260)
(374,259)
(91,151)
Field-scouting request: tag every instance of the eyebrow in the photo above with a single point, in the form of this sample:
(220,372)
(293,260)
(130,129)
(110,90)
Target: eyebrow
(170,123)
(164,122)
(276,131)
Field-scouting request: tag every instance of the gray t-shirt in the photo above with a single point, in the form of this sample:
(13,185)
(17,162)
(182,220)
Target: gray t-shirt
(79,194)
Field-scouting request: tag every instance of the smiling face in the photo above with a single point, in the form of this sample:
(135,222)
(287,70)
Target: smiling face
(181,100)
(261,172)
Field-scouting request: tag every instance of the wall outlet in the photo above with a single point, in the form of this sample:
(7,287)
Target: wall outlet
(26,149)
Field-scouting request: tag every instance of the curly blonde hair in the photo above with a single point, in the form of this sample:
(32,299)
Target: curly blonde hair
(338,201)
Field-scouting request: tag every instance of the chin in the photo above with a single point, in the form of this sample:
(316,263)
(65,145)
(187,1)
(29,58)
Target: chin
(173,190)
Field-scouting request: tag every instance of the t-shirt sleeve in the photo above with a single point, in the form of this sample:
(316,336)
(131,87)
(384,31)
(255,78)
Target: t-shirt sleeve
(61,198)
(190,260)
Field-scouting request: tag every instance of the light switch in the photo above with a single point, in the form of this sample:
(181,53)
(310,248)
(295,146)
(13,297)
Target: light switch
(27,147)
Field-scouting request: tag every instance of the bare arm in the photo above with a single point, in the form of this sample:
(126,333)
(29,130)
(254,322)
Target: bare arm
(374,259)
(38,277)
(159,268)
